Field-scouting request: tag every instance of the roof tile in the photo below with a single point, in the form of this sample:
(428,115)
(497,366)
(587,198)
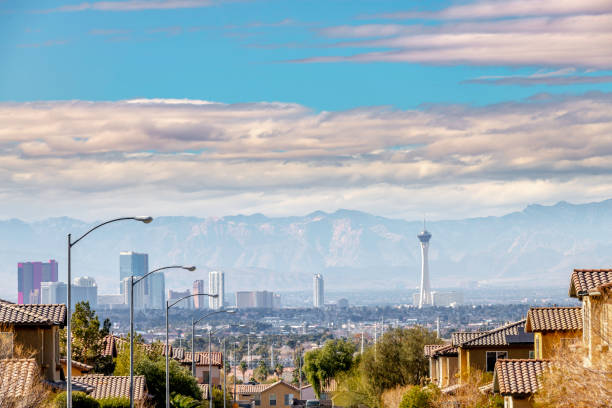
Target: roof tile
(114,386)
(500,336)
(584,280)
(17,377)
(32,315)
(512,377)
(543,319)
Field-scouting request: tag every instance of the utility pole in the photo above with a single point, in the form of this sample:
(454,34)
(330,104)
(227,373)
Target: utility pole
(235,368)
(300,368)
(362,342)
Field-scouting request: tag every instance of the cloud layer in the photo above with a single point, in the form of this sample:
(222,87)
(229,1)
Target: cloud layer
(198,157)
(570,33)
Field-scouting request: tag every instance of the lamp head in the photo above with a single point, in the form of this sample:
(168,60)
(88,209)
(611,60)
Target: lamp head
(230,311)
(144,219)
(189,268)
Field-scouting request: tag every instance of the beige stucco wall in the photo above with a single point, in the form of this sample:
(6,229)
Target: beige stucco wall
(43,342)
(598,331)
(476,358)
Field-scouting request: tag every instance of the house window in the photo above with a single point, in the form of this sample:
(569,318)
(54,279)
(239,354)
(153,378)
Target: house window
(288,399)
(493,356)
(532,354)
(258,401)
(272,400)
(6,344)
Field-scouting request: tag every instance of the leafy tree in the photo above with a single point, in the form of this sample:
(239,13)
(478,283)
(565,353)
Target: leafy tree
(323,364)
(397,359)
(243,368)
(261,372)
(278,370)
(152,366)
(79,400)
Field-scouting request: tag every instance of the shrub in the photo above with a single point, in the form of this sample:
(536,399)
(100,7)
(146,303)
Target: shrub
(416,397)
(79,400)
(114,403)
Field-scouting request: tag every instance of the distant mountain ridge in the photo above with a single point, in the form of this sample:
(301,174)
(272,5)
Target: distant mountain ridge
(354,250)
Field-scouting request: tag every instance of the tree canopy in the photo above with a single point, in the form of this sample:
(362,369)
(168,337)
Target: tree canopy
(321,365)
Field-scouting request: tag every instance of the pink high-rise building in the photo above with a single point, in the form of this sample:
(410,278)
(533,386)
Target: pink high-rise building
(29,276)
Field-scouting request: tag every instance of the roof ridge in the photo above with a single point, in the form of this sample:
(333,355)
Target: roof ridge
(592,270)
(496,330)
(554,307)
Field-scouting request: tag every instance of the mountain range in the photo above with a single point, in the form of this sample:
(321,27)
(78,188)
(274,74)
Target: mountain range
(537,246)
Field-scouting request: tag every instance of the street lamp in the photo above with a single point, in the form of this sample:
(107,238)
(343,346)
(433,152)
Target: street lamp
(210,333)
(168,306)
(71,243)
(193,324)
(133,283)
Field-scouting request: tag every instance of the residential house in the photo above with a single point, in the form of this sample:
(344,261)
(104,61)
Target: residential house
(278,394)
(201,363)
(517,380)
(78,368)
(34,328)
(481,352)
(434,362)
(594,288)
(553,327)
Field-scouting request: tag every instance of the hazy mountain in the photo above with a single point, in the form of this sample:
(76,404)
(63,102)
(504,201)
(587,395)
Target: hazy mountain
(537,246)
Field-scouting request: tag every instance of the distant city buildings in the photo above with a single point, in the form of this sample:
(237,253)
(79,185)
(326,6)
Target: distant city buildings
(111,301)
(29,277)
(216,286)
(199,302)
(53,292)
(157,291)
(85,289)
(255,299)
(132,263)
(174,295)
(425,291)
(318,297)
(149,293)
(343,303)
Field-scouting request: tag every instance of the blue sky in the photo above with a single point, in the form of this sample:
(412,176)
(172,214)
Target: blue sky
(216,107)
(245,51)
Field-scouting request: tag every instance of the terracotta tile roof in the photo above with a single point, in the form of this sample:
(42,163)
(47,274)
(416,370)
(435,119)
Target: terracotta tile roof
(584,280)
(201,357)
(502,336)
(115,386)
(518,377)
(431,348)
(109,346)
(17,377)
(242,389)
(447,350)
(544,319)
(486,389)
(452,389)
(32,315)
(461,337)
(81,366)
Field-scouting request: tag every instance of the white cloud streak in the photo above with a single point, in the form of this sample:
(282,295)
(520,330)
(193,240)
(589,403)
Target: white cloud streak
(134,5)
(189,157)
(515,33)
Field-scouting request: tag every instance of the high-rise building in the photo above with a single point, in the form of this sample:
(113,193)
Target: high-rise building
(140,299)
(199,302)
(157,291)
(29,277)
(216,286)
(174,295)
(133,263)
(425,291)
(318,295)
(255,299)
(85,289)
(53,292)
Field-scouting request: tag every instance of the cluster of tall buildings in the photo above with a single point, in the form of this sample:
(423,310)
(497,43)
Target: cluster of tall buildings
(257,299)
(37,283)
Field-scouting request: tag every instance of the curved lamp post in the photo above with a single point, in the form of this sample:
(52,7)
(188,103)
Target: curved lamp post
(133,283)
(168,306)
(71,243)
(193,324)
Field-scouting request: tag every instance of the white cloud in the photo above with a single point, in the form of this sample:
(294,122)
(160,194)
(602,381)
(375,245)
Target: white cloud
(194,157)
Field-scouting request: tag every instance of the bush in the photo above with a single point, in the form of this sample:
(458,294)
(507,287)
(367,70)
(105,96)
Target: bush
(416,397)
(79,400)
(114,403)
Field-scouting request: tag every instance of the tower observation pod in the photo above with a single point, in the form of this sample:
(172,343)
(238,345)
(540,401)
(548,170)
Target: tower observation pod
(425,292)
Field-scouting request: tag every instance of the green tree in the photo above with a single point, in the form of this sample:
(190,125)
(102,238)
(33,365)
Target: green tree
(183,401)
(152,366)
(323,364)
(398,358)
(261,372)
(243,368)
(116,402)
(278,370)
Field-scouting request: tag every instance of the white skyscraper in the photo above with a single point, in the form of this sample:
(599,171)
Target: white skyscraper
(318,296)
(216,286)
(425,292)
